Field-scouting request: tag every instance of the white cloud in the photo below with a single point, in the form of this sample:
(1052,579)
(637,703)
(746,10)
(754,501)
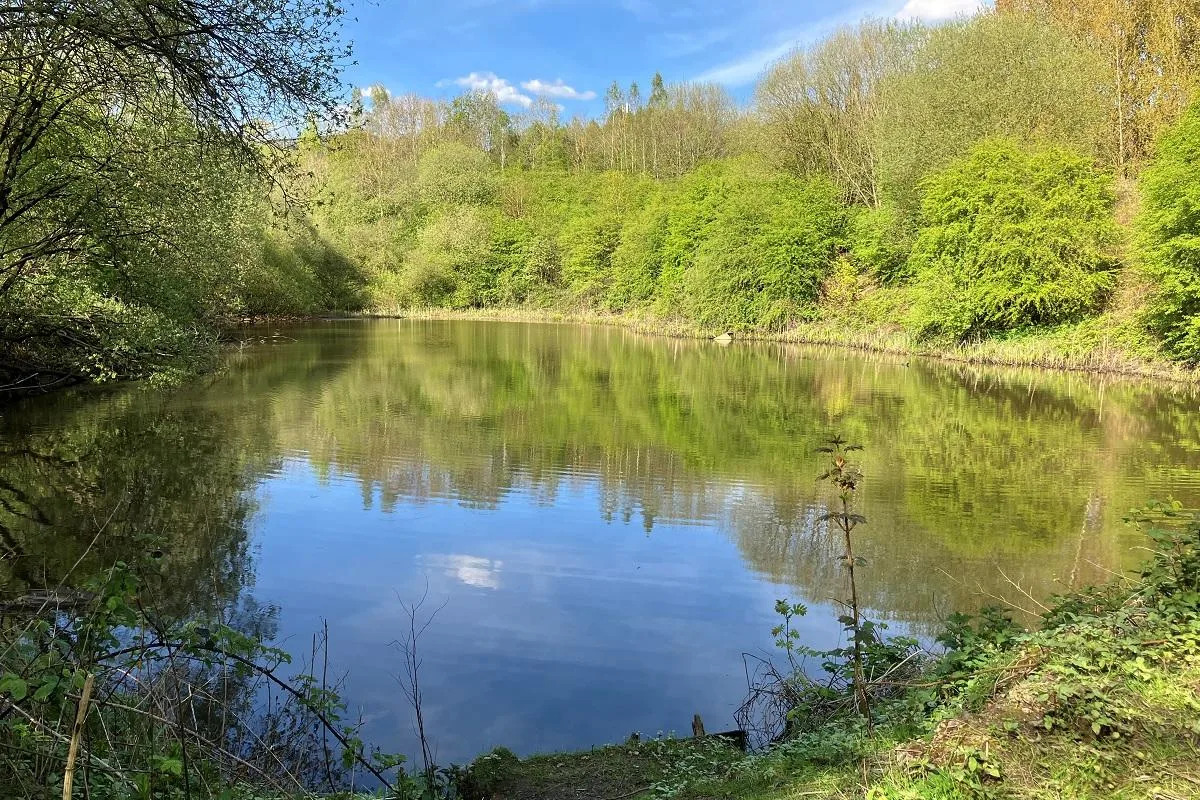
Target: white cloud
(935,10)
(504,92)
(557,89)
(366,92)
(497,87)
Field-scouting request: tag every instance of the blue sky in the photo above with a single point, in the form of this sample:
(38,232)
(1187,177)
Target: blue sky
(571,50)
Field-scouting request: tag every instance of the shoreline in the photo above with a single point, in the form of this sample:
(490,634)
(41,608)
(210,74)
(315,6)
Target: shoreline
(1031,352)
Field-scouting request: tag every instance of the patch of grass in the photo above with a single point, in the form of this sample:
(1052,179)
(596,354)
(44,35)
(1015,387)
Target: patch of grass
(635,768)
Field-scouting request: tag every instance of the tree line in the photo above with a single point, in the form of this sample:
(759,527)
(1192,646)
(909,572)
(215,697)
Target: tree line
(165,166)
(993,176)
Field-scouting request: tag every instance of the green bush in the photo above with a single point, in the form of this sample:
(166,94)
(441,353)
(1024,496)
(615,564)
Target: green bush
(762,257)
(637,260)
(298,272)
(455,174)
(590,223)
(587,243)
(1168,236)
(510,248)
(735,245)
(452,263)
(1012,237)
(880,241)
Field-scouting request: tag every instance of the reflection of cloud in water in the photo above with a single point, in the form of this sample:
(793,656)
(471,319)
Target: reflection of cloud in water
(482,573)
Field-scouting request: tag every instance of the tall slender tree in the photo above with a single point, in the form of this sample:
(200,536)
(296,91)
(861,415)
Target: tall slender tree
(1152,48)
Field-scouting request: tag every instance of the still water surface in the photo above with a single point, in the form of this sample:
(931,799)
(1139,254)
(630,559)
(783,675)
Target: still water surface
(606,517)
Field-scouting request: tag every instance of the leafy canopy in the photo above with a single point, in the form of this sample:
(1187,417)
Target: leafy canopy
(991,76)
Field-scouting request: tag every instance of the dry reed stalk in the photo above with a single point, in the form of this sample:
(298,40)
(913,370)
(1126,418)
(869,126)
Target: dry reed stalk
(76,734)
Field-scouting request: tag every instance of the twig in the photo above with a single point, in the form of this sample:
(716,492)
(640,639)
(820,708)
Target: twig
(410,682)
(1023,591)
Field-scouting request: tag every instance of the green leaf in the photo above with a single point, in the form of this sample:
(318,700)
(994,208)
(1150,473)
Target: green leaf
(45,690)
(168,765)
(14,686)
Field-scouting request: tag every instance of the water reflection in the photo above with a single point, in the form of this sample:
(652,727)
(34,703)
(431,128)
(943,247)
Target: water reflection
(86,481)
(609,516)
(482,573)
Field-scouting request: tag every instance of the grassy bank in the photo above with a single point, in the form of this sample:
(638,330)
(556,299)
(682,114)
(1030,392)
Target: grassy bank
(1102,702)
(1079,348)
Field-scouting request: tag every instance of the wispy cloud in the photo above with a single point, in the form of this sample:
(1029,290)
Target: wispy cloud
(749,66)
(557,89)
(675,44)
(745,69)
(492,84)
(936,10)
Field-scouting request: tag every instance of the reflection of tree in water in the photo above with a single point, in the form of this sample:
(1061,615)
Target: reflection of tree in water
(125,477)
(911,575)
(90,479)
(969,470)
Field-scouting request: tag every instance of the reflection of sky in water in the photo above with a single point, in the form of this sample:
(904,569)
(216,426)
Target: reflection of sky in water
(482,573)
(559,629)
(516,470)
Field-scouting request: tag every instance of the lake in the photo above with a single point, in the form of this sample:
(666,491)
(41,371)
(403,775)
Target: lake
(604,519)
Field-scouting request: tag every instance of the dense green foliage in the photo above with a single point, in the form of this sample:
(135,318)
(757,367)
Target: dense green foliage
(1169,232)
(1012,237)
(730,243)
(135,199)
(994,76)
(954,182)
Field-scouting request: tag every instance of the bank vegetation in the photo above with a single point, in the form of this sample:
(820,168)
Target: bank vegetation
(1020,184)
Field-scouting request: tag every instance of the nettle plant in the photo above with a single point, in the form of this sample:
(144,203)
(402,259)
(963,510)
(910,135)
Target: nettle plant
(845,478)
(861,671)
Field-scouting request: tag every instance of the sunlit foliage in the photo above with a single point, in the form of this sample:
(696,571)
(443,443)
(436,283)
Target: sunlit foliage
(1013,237)
(1169,235)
